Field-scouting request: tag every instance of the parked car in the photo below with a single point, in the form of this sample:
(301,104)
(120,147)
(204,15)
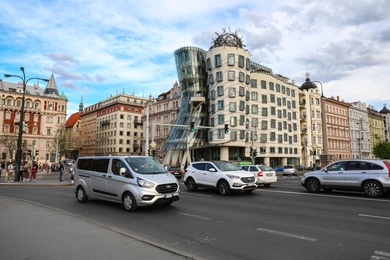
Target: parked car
(220,175)
(278,168)
(265,175)
(300,168)
(71,171)
(176,171)
(289,170)
(369,176)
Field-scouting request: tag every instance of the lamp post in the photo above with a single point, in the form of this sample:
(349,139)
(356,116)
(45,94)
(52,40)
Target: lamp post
(19,144)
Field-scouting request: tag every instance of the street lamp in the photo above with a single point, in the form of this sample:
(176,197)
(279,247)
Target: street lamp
(19,145)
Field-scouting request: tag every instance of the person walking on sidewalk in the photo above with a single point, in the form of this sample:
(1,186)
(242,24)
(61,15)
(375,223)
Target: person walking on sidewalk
(26,172)
(61,170)
(10,173)
(34,172)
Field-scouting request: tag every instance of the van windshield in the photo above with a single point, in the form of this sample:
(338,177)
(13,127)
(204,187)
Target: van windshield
(145,165)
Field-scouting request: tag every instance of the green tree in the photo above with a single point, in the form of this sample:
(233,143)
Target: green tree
(382,150)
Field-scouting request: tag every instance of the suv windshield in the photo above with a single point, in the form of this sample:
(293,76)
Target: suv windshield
(145,165)
(225,166)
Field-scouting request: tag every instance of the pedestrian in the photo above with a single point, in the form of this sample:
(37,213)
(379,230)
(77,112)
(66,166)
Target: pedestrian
(61,170)
(10,173)
(26,172)
(53,168)
(34,172)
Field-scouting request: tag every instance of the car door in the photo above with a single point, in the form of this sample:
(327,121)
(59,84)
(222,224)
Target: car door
(99,177)
(335,175)
(209,178)
(116,181)
(356,172)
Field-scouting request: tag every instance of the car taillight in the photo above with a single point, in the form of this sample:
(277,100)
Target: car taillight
(388,168)
(260,174)
(171,171)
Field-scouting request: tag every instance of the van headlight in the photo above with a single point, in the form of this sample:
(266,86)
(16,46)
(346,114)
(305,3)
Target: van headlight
(144,183)
(233,177)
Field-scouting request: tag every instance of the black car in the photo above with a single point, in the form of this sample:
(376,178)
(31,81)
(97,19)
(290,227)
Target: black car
(176,171)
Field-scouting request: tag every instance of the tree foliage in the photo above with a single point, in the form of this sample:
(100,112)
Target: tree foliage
(382,150)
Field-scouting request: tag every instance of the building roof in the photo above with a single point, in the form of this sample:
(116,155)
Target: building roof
(72,120)
(18,87)
(51,88)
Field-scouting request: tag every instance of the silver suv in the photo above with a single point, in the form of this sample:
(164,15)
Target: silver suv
(220,175)
(370,176)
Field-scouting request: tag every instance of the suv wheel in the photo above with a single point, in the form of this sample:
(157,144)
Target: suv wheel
(81,195)
(373,189)
(191,185)
(313,185)
(129,203)
(223,188)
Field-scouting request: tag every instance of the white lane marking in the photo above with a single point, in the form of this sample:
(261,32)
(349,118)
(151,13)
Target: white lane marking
(373,216)
(195,216)
(275,232)
(321,195)
(381,255)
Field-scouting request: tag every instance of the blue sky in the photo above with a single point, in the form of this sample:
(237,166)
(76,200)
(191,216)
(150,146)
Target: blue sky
(98,48)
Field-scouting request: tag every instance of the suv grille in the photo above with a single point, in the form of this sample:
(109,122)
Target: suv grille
(166,188)
(248,179)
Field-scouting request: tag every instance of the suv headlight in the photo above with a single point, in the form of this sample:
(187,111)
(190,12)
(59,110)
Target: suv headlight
(144,183)
(233,177)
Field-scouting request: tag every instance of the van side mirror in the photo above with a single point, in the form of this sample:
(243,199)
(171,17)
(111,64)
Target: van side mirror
(125,172)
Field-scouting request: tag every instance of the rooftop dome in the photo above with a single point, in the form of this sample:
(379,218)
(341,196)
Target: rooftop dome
(384,110)
(228,39)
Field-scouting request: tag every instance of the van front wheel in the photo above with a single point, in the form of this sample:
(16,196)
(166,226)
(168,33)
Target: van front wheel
(128,202)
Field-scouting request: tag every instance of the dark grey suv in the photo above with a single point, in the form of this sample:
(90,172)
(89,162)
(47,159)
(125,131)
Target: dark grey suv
(370,176)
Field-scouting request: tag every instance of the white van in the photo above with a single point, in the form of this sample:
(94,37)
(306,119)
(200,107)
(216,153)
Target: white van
(130,180)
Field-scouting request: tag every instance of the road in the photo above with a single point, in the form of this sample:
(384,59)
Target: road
(279,222)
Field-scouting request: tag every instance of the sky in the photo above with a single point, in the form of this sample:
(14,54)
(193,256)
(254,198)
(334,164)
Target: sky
(100,48)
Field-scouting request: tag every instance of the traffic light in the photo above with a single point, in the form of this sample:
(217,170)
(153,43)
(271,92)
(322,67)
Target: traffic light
(154,152)
(314,153)
(254,153)
(36,152)
(226,128)
(148,152)
(29,152)
(192,127)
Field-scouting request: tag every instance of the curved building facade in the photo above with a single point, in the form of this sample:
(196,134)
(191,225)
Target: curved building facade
(190,66)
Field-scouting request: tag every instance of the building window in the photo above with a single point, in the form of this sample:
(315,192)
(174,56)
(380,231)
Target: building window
(213,109)
(212,122)
(218,62)
(264,125)
(248,64)
(231,75)
(254,83)
(271,86)
(242,134)
(218,76)
(254,96)
(280,139)
(255,109)
(241,91)
(263,138)
(232,106)
(242,120)
(231,59)
(277,88)
(264,99)
(212,94)
(220,105)
(233,121)
(221,133)
(263,84)
(8,115)
(233,135)
(232,92)
(283,90)
(248,79)
(255,122)
(241,61)
(209,67)
(264,111)
(273,111)
(241,76)
(272,136)
(211,78)
(221,119)
(242,106)
(273,123)
(220,90)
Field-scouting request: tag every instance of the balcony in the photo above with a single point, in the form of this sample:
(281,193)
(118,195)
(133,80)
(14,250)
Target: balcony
(104,122)
(303,117)
(138,122)
(304,131)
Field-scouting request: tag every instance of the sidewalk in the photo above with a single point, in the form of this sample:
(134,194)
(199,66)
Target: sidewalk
(34,231)
(43,179)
